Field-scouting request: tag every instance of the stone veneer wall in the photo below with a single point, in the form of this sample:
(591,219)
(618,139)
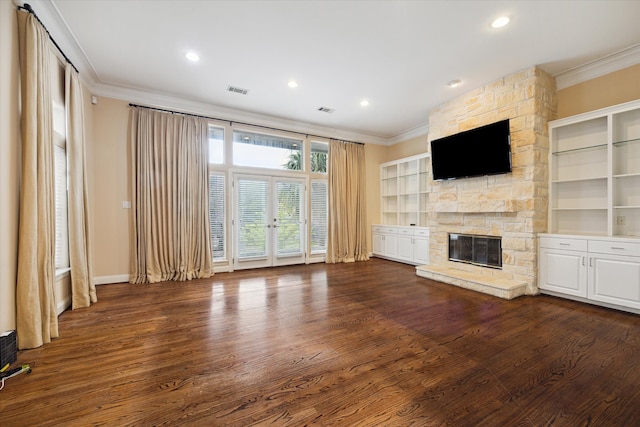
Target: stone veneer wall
(513,206)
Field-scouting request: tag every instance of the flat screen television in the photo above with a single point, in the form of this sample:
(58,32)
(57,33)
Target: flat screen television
(481,151)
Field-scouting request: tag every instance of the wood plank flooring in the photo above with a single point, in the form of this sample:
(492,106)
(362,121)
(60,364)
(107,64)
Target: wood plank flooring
(362,344)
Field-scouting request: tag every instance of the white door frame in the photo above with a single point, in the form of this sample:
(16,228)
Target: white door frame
(271,226)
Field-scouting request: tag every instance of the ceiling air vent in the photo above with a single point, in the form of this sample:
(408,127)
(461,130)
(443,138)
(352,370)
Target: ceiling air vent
(237,90)
(326,110)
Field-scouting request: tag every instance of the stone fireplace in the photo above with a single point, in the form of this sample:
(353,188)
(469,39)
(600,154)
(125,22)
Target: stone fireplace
(510,206)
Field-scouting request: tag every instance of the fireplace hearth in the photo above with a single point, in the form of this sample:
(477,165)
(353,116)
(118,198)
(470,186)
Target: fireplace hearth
(485,251)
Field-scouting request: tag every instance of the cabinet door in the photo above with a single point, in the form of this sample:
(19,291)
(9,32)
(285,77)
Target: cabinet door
(563,271)
(378,244)
(421,250)
(405,247)
(391,245)
(615,279)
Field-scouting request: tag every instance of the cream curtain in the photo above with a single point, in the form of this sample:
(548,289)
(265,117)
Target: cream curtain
(36,321)
(83,289)
(347,234)
(171,234)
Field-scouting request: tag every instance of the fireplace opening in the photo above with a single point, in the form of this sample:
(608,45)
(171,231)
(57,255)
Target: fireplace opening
(485,251)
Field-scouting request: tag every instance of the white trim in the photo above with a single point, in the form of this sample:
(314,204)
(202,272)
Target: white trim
(620,108)
(60,272)
(63,305)
(225,114)
(422,130)
(608,64)
(57,26)
(118,278)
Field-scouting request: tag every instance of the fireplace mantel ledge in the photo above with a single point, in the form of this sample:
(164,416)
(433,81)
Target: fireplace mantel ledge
(484,206)
(496,286)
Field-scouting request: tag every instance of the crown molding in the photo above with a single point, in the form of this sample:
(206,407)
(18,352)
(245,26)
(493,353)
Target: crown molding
(617,61)
(59,30)
(418,131)
(224,114)
(57,26)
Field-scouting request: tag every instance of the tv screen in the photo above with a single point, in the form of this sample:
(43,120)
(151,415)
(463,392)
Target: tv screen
(481,151)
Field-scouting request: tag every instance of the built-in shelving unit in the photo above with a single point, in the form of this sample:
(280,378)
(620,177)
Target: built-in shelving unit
(592,251)
(404,190)
(594,186)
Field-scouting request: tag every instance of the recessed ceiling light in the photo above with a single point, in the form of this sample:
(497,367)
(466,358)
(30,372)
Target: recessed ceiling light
(364,102)
(500,22)
(454,83)
(292,83)
(192,56)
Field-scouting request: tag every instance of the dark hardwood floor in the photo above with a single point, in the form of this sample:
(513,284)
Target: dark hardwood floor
(363,344)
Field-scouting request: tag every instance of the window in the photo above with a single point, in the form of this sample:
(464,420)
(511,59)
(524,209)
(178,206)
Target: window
(216,145)
(319,157)
(217,217)
(62,227)
(60,164)
(319,216)
(267,151)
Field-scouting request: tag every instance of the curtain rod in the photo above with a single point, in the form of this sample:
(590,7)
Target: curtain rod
(231,122)
(27,7)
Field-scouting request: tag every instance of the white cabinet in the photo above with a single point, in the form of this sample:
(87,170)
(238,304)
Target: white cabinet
(562,266)
(421,247)
(405,244)
(603,271)
(594,173)
(385,241)
(404,191)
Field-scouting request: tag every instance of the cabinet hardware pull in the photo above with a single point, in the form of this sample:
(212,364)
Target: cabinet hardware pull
(618,248)
(565,244)
(583,260)
(590,262)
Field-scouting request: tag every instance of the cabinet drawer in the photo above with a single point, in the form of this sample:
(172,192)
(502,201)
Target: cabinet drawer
(384,229)
(614,247)
(421,233)
(563,243)
(405,232)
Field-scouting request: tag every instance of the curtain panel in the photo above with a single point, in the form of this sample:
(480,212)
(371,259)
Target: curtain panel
(347,233)
(170,197)
(36,318)
(83,289)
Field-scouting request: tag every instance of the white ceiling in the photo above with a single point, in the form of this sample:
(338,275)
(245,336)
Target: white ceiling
(399,55)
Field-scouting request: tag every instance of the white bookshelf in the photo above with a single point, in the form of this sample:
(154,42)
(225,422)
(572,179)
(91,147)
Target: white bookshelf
(594,176)
(404,188)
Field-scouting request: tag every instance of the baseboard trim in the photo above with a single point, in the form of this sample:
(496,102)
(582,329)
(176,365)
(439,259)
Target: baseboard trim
(105,280)
(63,305)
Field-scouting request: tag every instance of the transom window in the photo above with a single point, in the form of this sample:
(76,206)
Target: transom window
(319,156)
(267,151)
(216,145)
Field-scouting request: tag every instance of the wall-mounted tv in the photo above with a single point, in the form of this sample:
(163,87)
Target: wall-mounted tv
(481,151)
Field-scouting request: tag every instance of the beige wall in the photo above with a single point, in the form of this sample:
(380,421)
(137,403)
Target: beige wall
(109,187)
(9,161)
(605,91)
(374,155)
(411,147)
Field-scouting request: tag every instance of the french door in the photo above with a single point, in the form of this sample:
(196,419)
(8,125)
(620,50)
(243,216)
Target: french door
(269,221)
